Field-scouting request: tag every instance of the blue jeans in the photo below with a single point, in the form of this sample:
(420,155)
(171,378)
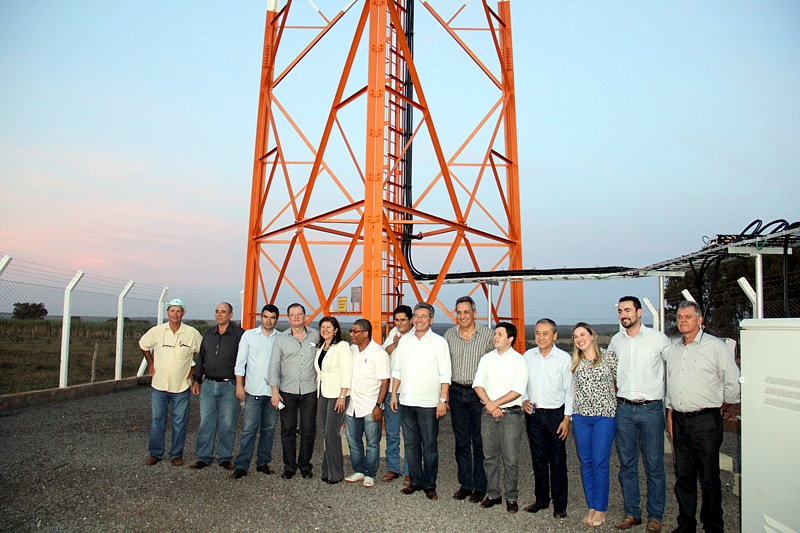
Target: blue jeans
(465,412)
(641,428)
(421,434)
(393,422)
(593,438)
(178,403)
(258,413)
(219,407)
(355,428)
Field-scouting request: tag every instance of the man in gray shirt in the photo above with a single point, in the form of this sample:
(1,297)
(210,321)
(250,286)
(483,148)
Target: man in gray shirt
(702,379)
(294,384)
(468,342)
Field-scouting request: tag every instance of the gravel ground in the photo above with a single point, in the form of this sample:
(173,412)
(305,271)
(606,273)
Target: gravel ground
(78,466)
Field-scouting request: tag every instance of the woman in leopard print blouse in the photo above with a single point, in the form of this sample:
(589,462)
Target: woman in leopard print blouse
(595,372)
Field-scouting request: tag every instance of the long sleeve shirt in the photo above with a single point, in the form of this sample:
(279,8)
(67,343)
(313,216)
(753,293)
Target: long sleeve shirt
(291,365)
(700,375)
(640,363)
(550,380)
(252,361)
(421,365)
(218,353)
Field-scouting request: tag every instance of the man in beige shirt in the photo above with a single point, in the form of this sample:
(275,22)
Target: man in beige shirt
(169,349)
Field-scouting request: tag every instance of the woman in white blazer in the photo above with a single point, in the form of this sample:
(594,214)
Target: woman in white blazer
(334,365)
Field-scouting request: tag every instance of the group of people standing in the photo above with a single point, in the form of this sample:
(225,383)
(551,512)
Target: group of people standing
(305,375)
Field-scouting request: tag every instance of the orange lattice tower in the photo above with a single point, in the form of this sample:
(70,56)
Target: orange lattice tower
(334,205)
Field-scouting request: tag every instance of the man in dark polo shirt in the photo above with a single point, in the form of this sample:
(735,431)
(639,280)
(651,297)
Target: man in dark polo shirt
(215,383)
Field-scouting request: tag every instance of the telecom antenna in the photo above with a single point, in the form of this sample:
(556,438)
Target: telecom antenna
(335,207)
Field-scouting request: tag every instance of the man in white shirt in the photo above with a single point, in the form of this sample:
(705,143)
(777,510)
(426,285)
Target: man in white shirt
(640,423)
(548,410)
(395,468)
(422,378)
(500,382)
(368,390)
(702,380)
(252,367)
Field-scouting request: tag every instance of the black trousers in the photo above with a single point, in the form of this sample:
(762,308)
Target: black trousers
(697,440)
(306,406)
(548,455)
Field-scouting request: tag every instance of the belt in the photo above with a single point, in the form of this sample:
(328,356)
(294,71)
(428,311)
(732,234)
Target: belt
(512,408)
(635,402)
(545,410)
(460,386)
(707,410)
(220,380)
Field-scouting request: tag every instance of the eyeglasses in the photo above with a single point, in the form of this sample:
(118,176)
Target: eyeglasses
(354,331)
(297,315)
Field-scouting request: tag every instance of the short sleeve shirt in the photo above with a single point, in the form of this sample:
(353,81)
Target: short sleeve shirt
(172,355)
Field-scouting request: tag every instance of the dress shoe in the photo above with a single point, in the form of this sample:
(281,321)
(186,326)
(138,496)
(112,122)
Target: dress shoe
(559,513)
(265,469)
(411,489)
(477,496)
(536,506)
(199,465)
(653,526)
(306,474)
(150,461)
(177,461)
(227,465)
(407,481)
(488,503)
(332,482)
(287,474)
(628,522)
(390,476)
(239,473)
(512,507)
(431,494)
(462,494)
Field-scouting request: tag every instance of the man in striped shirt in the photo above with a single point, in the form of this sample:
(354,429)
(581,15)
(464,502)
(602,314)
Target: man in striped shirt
(468,342)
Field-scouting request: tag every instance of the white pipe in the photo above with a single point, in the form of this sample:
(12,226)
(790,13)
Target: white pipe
(489,306)
(66,321)
(688,296)
(661,305)
(121,329)
(241,306)
(759,308)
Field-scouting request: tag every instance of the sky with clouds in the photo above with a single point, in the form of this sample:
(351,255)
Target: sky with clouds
(127,133)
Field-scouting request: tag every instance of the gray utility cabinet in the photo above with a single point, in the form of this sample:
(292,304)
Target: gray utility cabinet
(770,361)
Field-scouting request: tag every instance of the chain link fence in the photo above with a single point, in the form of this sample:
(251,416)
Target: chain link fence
(32,346)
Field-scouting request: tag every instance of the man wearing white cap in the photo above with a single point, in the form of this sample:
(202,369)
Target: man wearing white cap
(173,346)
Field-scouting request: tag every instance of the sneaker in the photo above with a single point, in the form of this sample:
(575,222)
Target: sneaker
(368,482)
(355,477)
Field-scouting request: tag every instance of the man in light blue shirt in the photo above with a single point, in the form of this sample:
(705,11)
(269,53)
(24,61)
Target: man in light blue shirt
(548,410)
(252,364)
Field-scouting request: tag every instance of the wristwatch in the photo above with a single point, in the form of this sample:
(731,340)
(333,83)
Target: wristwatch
(443,400)
(341,397)
(380,405)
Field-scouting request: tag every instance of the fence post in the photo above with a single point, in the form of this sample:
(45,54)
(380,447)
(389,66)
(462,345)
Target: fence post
(121,329)
(653,311)
(66,321)
(159,321)
(4,263)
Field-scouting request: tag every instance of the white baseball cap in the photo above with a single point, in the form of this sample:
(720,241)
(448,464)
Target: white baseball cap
(178,302)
